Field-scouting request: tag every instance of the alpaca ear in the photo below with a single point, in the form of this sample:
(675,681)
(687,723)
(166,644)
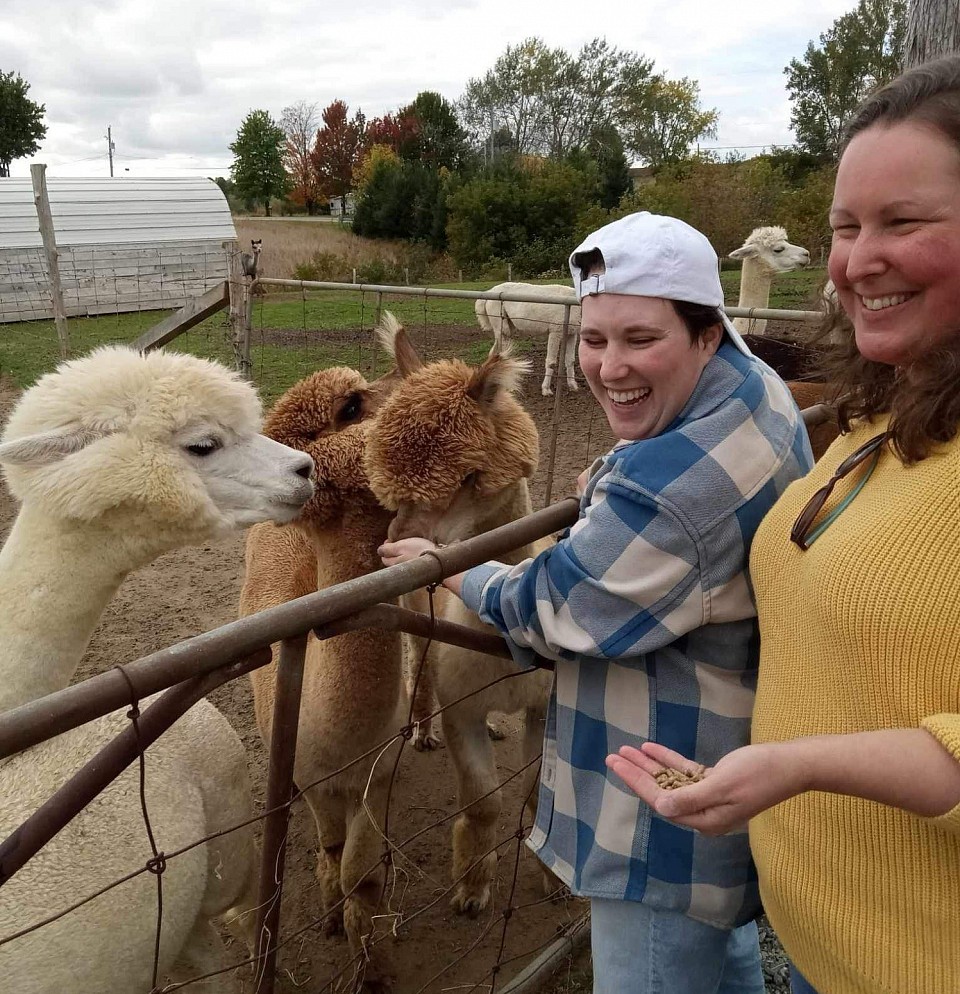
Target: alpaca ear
(500,371)
(392,336)
(47,447)
(744,252)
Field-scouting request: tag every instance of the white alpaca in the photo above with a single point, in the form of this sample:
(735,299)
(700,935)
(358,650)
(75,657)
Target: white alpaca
(353,692)
(765,254)
(117,458)
(451,451)
(506,318)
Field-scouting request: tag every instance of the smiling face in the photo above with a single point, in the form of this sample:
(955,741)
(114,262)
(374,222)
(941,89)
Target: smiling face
(639,360)
(895,257)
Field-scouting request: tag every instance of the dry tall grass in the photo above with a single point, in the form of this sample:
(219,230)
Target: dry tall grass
(286,244)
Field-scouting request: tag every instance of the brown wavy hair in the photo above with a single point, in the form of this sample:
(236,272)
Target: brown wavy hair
(923,397)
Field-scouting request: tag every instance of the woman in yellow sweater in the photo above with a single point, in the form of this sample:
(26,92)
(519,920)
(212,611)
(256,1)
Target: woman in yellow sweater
(852,783)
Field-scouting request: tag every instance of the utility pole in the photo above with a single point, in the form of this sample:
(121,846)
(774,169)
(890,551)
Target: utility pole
(110,149)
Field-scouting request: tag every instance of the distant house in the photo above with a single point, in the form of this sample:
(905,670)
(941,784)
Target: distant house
(335,206)
(641,176)
(124,244)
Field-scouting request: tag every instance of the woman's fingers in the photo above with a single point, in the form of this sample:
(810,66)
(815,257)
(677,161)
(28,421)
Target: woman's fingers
(667,757)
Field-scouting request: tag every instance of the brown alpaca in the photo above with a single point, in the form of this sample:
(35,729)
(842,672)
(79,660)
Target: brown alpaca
(353,692)
(451,451)
(810,395)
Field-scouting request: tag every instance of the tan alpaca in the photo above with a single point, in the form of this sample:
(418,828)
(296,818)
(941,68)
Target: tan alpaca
(765,253)
(451,451)
(353,691)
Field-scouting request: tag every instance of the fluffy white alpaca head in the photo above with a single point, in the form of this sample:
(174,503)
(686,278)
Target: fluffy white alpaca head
(769,247)
(163,443)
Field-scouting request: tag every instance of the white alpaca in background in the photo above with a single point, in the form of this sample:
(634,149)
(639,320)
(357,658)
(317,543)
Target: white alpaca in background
(505,319)
(117,458)
(765,254)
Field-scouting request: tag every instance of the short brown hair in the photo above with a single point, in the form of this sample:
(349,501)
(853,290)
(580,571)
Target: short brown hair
(922,398)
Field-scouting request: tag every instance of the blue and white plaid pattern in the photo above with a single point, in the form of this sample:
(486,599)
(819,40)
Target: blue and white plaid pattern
(646,607)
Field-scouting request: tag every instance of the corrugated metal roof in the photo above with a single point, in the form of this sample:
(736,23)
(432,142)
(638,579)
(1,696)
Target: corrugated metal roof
(105,210)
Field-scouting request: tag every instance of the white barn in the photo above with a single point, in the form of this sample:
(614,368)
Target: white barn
(124,244)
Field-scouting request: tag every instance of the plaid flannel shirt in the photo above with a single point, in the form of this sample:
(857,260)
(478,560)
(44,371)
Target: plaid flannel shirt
(646,607)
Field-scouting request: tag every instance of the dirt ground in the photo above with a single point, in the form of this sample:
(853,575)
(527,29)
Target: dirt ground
(194,590)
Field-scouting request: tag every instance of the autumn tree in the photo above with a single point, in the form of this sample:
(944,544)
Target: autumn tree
(399,132)
(338,149)
(862,50)
(258,159)
(299,123)
(21,121)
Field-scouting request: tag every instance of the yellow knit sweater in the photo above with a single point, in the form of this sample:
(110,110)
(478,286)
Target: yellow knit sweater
(862,632)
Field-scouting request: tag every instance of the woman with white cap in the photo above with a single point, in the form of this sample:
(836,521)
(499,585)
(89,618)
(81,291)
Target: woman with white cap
(852,782)
(645,608)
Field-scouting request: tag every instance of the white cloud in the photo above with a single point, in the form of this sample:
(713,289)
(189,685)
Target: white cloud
(175,80)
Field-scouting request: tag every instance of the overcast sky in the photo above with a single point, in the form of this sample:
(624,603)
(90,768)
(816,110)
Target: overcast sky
(175,79)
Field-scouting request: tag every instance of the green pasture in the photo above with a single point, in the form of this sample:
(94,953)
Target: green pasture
(288,340)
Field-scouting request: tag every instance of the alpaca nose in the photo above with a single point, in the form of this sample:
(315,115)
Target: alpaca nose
(304,467)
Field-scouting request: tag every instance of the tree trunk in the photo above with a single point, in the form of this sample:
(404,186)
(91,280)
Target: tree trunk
(266,206)
(933,30)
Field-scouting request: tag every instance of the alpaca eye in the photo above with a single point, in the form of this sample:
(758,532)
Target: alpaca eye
(470,479)
(205,448)
(352,409)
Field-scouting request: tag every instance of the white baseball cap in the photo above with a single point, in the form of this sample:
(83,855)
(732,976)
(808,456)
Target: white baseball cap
(651,255)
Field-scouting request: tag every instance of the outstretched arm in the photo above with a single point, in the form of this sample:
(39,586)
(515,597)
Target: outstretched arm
(406,549)
(904,767)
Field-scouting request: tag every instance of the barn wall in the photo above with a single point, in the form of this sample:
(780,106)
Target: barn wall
(124,245)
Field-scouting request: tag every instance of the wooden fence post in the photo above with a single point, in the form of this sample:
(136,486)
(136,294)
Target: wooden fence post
(239,294)
(38,174)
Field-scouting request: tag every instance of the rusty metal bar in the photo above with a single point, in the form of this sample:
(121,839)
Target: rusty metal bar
(557,392)
(58,712)
(398,619)
(283,750)
(60,809)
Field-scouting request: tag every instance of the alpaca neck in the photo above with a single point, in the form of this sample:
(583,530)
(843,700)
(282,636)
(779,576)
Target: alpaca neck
(511,504)
(347,547)
(755,280)
(55,580)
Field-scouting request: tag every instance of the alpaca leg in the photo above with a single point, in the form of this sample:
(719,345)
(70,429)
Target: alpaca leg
(568,358)
(553,350)
(533,722)
(204,953)
(329,813)
(363,876)
(474,832)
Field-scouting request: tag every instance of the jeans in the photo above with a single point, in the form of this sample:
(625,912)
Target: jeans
(640,950)
(798,985)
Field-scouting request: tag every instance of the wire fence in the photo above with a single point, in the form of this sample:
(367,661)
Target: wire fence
(509,915)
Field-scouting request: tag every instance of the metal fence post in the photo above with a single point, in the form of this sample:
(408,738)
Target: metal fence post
(559,383)
(283,748)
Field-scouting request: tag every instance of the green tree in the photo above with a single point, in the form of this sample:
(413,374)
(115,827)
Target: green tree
(550,101)
(338,150)
(440,141)
(661,118)
(258,159)
(522,215)
(862,50)
(21,121)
